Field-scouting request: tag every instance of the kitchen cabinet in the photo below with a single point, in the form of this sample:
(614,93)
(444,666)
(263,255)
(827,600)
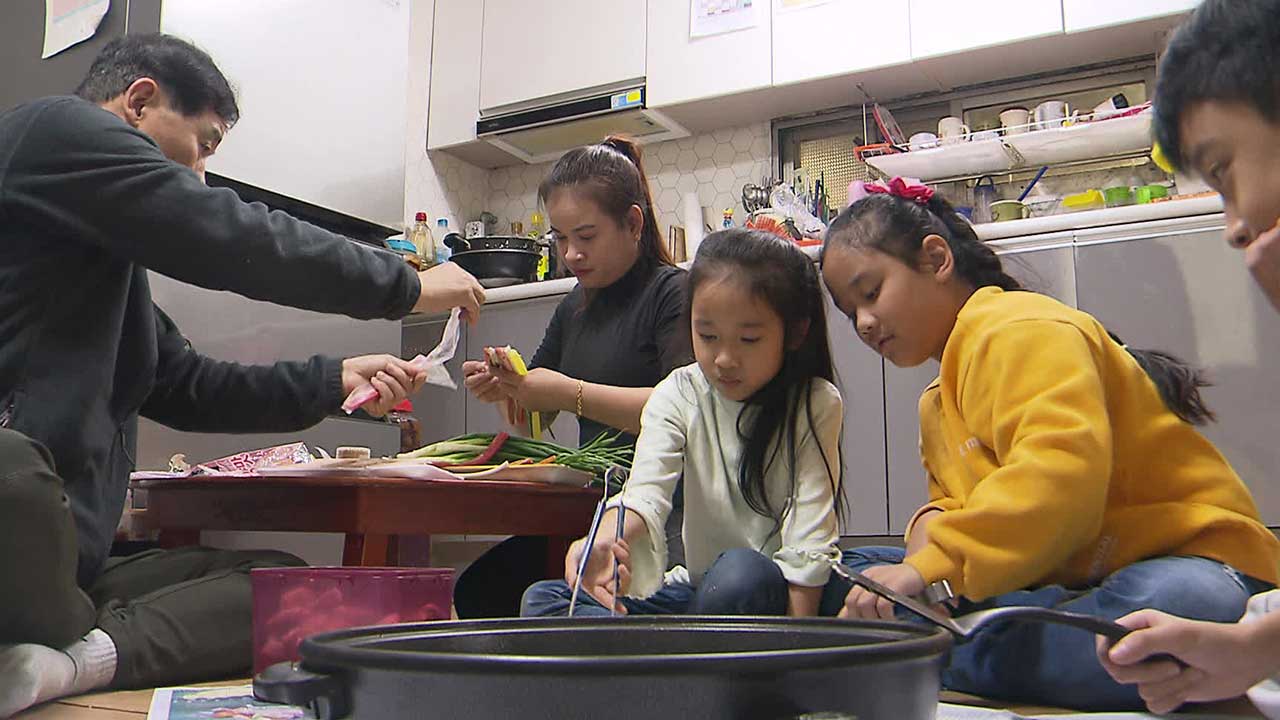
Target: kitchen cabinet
(534,49)
(1089,14)
(322,93)
(521,325)
(941,27)
(815,41)
(680,68)
(859,375)
(1174,286)
(441,412)
(454,104)
(1044,263)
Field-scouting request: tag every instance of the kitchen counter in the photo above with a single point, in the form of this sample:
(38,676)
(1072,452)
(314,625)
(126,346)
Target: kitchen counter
(986,231)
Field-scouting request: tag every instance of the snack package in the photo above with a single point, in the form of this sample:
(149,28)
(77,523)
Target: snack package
(251,460)
(433,362)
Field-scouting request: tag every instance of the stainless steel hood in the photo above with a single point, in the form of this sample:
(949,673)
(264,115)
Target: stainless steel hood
(543,132)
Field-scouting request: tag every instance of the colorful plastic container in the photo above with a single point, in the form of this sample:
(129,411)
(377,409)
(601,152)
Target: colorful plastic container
(290,604)
(1087,200)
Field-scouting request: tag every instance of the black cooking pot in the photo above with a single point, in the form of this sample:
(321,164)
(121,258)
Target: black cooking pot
(494,264)
(457,243)
(620,668)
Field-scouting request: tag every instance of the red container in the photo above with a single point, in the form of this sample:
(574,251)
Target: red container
(290,604)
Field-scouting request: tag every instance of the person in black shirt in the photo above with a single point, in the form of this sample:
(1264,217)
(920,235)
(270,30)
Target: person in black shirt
(94,191)
(610,341)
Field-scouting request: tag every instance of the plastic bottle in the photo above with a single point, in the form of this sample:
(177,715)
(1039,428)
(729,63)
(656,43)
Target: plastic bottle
(727,218)
(538,231)
(441,250)
(410,427)
(420,236)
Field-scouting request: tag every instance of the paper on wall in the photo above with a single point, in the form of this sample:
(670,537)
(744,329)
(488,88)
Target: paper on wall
(67,22)
(716,17)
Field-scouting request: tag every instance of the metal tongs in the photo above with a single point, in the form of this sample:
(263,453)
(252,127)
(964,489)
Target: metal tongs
(965,626)
(591,541)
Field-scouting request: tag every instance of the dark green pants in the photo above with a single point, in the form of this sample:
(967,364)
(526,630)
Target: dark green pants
(176,616)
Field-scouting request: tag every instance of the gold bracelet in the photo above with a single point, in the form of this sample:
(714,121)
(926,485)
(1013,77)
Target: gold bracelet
(579,398)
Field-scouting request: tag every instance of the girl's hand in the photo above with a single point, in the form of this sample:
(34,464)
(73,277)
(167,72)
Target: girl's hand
(481,382)
(597,577)
(1223,660)
(863,604)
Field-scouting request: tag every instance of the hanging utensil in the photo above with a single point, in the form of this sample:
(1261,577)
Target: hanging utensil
(1027,190)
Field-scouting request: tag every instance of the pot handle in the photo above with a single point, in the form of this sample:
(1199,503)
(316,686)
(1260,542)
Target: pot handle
(456,242)
(288,683)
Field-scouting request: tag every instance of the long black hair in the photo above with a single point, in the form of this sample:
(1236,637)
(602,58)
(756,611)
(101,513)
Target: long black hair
(612,175)
(897,226)
(778,273)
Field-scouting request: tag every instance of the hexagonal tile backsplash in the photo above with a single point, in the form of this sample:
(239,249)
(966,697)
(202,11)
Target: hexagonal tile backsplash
(715,166)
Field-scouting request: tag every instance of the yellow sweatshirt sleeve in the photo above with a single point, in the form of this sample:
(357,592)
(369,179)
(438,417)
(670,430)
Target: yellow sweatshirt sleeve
(1032,394)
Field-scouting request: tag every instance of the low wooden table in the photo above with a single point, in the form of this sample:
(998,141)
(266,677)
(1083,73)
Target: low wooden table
(373,513)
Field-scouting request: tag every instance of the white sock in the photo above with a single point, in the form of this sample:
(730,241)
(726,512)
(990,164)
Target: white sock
(32,674)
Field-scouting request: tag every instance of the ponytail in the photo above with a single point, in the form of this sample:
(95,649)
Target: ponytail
(896,219)
(612,175)
(1178,383)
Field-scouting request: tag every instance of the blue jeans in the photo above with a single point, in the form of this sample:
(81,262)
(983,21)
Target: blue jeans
(740,582)
(1057,665)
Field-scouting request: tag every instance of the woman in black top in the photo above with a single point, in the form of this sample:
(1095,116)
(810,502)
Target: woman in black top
(610,341)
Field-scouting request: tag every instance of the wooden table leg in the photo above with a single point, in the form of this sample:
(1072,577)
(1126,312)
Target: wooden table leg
(368,550)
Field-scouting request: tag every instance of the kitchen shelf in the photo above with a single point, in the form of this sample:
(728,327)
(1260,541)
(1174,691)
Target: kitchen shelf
(1085,142)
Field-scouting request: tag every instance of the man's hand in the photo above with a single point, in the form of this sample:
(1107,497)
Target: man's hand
(393,378)
(448,286)
(1222,660)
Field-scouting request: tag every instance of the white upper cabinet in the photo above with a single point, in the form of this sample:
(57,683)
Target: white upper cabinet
(455,73)
(839,37)
(534,49)
(321,87)
(681,68)
(1089,14)
(941,27)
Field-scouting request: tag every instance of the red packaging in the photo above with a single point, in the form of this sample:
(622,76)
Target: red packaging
(251,460)
(291,604)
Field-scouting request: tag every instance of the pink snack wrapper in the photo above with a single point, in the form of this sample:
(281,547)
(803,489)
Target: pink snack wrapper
(432,363)
(251,460)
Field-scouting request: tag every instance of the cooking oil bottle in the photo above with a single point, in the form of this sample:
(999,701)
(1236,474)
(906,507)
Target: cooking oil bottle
(423,242)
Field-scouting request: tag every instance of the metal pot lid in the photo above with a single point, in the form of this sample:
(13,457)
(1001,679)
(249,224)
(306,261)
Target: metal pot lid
(494,251)
(651,644)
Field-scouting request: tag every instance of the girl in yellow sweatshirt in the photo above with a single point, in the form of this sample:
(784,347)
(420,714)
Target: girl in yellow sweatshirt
(1063,468)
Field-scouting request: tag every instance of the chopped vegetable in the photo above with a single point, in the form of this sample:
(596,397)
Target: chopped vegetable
(595,457)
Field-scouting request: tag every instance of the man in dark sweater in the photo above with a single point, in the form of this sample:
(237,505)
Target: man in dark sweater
(94,190)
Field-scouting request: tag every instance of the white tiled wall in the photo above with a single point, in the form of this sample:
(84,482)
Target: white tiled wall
(715,166)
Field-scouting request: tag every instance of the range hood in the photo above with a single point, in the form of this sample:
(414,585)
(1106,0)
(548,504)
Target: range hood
(543,132)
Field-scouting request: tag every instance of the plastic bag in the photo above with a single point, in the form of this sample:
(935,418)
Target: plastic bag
(433,363)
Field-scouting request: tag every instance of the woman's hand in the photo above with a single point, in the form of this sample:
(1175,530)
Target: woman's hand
(864,604)
(482,383)
(540,390)
(394,379)
(597,577)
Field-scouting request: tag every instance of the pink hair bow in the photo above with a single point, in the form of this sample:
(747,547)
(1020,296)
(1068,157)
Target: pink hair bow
(907,188)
